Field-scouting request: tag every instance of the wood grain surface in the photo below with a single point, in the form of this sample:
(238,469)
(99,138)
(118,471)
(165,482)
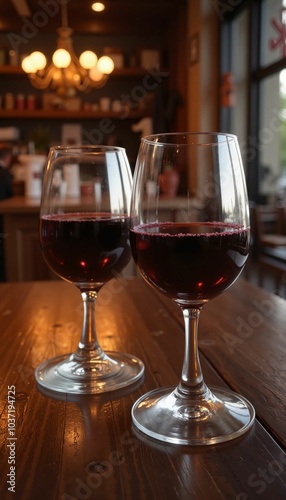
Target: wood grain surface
(71,447)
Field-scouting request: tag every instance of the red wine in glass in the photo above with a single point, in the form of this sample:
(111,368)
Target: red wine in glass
(190,261)
(191,246)
(85,248)
(85,241)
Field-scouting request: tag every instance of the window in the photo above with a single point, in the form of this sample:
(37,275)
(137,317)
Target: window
(255,37)
(239,57)
(272,92)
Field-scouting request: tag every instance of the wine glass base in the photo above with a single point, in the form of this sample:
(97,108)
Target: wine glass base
(164,415)
(68,375)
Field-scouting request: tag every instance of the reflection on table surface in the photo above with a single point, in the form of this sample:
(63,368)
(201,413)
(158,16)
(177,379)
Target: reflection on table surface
(69,447)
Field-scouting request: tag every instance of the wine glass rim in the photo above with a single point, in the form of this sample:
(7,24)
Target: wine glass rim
(207,138)
(88,148)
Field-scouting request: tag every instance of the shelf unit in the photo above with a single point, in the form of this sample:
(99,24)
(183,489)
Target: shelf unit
(47,114)
(119,72)
(60,114)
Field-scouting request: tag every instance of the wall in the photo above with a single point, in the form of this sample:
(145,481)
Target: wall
(203,73)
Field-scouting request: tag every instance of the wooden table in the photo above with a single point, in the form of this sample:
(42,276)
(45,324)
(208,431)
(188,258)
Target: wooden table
(71,448)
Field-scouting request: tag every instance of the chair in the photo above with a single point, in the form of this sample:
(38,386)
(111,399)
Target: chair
(281,210)
(269,242)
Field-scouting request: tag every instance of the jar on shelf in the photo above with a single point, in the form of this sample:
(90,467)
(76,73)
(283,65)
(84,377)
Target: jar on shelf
(116,54)
(20,102)
(9,101)
(13,58)
(31,102)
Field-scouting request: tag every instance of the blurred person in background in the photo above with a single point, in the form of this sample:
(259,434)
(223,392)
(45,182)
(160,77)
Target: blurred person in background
(6,178)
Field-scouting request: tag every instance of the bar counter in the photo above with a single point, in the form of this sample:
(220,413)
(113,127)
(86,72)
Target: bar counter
(70,447)
(22,255)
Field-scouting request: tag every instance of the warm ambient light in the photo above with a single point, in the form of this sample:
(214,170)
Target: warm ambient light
(88,59)
(95,74)
(61,58)
(105,65)
(27,65)
(38,60)
(67,73)
(98,6)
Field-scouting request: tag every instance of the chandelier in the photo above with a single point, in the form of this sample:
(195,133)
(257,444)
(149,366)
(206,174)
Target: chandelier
(67,73)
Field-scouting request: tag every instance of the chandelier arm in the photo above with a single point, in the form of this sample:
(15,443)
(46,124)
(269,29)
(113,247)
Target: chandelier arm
(100,83)
(85,81)
(42,80)
(36,82)
(83,84)
(89,84)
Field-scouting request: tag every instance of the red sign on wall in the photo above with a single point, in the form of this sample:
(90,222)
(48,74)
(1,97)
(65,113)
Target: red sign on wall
(280,39)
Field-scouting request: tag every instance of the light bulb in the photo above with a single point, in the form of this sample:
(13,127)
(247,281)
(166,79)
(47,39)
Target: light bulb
(38,60)
(105,64)
(95,75)
(98,6)
(88,59)
(27,65)
(61,58)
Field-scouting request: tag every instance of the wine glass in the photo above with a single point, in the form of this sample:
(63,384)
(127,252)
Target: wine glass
(191,245)
(84,237)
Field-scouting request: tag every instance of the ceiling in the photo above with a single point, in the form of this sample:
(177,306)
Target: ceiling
(119,16)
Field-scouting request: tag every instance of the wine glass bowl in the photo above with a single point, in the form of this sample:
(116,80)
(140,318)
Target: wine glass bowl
(191,248)
(84,237)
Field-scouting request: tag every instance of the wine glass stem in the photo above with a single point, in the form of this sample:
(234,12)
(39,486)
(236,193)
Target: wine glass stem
(192,382)
(88,342)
